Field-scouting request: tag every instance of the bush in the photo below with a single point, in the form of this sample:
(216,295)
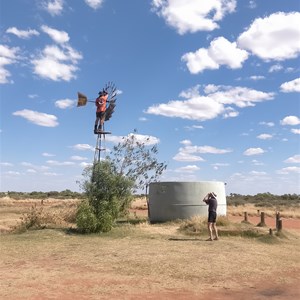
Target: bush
(86,219)
(109,197)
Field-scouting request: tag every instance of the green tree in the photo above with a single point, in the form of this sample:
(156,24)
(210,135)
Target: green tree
(108,194)
(110,184)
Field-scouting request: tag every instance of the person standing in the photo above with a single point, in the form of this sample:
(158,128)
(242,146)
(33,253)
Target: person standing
(211,200)
(100,112)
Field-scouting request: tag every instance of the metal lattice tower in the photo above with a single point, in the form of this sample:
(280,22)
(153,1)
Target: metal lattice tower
(100,145)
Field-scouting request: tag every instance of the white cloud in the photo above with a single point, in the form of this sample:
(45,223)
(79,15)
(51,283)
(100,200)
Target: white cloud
(291,86)
(190,152)
(252,4)
(293,159)
(6,164)
(51,174)
(187,157)
(54,7)
(186,142)
(46,154)
(210,106)
(65,103)
(8,56)
(295,131)
(262,37)
(275,68)
(198,108)
(57,63)
(23,34)
(188,169)
(83,147)
(59,37)
(265,136)
(257,77)
(290,120)
(85,164)
(239,96)
(95,4)
(269,124)
(220,52)
(38,118)
(289,170)
(193,15)
(143,119)
(257,173)
(78,158)
(253,151)
(57,163)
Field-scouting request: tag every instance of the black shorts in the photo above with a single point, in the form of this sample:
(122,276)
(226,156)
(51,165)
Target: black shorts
(100,114)
(212,217)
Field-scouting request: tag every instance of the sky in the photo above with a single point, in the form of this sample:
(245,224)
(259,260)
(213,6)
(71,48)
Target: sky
(214,84)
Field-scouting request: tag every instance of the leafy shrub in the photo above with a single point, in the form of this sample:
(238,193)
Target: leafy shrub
(86,219)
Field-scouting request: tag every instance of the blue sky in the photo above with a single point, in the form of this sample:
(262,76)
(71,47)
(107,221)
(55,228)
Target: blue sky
(214,83)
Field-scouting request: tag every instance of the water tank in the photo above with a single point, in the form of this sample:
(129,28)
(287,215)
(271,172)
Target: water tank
(182,200)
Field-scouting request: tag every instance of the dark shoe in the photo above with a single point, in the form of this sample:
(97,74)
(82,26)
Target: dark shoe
(209,239)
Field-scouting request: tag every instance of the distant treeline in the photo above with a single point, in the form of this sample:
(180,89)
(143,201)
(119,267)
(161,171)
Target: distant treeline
(66,194)
(264,199)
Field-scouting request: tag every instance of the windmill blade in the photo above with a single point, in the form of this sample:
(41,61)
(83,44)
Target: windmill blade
(110,109)
(82,99)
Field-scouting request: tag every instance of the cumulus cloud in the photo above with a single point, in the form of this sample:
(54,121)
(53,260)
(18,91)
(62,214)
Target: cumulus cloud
(23,34)
(269,124)
(65,103)
(295,131)
(290,120)
(38,118)
(275,68)
(94,4)
(217,101)
(78,158)
(191,153)
(220,52)
(289,170)
(291,86)
(265,136)
(253,151)
(83,147)
(193,15)
(57,36)
(46,154)
(262,37)
(57,63)
(293,159)
(58,163)
(8,56)
(53,7)
(188,169)
(239,96)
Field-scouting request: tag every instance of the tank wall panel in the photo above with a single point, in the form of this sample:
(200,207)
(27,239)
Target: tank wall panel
(182,200)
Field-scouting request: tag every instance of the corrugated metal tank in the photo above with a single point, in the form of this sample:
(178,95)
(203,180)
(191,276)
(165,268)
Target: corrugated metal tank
(182,200)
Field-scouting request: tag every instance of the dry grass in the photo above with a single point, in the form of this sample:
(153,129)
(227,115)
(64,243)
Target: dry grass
(137,261)
(252,210)
(15,213)
(141,261)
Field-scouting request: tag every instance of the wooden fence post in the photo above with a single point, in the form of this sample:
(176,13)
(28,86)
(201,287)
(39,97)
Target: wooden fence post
(262,220)
(277,219)
(279,228)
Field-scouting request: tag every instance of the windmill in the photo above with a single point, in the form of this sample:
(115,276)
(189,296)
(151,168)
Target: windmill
(82,100)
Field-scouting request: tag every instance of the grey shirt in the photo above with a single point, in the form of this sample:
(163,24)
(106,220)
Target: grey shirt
(212,204)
